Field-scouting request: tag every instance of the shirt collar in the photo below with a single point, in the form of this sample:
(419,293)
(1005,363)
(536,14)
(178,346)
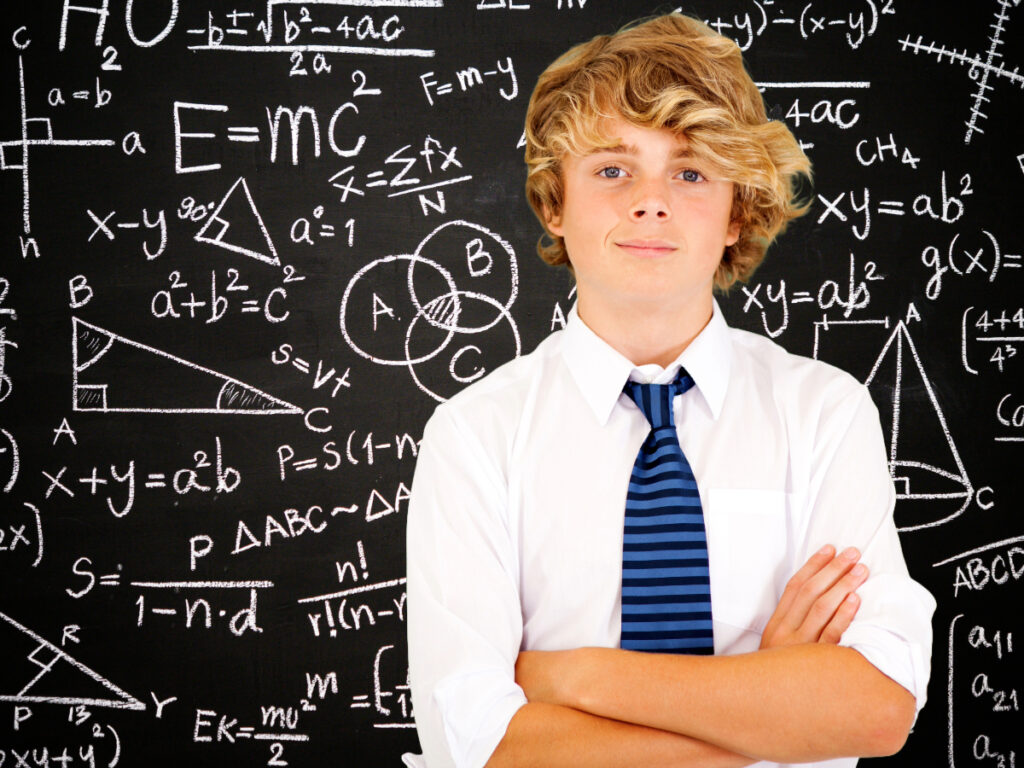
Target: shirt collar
(708,359)
(600,371)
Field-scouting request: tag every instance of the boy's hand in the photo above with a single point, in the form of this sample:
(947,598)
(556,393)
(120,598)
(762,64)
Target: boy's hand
(819,602)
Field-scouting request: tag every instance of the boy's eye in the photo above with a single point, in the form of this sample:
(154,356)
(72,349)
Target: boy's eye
(691,175)
(611,172)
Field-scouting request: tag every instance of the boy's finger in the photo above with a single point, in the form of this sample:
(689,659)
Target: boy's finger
(842,619)
(825,607)
(820,583)
(814,564)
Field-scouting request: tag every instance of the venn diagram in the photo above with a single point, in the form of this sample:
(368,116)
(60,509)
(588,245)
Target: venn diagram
(441,311)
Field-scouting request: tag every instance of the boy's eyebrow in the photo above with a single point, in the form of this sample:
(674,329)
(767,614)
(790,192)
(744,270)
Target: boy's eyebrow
(632,150)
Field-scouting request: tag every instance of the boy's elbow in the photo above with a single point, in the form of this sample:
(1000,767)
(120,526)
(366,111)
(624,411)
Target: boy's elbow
(889,724)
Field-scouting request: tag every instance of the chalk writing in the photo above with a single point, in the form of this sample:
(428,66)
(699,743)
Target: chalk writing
(311,212)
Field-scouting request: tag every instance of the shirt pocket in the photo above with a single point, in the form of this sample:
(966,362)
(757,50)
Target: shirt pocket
(748,535)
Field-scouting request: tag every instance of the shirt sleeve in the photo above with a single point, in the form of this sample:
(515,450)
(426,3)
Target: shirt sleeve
(464,616)
(851,503)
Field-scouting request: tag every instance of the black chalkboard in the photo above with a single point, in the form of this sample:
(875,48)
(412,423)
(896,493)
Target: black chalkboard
(226,227)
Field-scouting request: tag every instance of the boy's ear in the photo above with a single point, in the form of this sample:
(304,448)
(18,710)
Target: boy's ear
(553,222)
(732,234)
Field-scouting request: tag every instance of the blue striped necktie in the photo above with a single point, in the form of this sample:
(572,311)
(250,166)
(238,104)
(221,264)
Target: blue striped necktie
(666,584)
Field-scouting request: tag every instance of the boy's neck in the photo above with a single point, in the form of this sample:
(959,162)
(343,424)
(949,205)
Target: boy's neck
(647,333)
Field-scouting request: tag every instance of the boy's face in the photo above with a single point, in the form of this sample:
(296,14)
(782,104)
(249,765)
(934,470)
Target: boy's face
(645,224)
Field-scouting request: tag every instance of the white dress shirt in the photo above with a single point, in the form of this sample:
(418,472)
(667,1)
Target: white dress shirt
(516,517)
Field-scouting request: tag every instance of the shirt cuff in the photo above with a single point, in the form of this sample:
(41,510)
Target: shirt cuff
(476,707)
(902,661)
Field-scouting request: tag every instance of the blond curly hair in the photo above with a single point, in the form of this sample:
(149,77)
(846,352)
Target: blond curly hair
(676,73)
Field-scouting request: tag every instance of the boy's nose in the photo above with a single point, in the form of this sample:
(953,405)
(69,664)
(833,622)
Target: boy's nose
(651,203)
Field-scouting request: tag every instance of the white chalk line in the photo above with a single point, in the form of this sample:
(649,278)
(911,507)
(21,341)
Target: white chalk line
(979,550)
(354,590)
(262,584)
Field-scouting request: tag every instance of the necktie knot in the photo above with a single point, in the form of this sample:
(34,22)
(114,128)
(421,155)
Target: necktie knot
(655,400)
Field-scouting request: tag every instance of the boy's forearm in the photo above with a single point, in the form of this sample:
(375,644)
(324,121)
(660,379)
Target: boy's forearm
(794,704)
(551,735)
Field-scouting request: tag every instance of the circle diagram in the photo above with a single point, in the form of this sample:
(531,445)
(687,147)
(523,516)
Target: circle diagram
(442,311)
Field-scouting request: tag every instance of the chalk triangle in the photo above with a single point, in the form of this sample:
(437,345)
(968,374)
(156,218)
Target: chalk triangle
(112,373)
(932,486)
(37,671)
(237,226)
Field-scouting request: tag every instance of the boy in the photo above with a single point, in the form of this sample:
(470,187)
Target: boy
(651,479)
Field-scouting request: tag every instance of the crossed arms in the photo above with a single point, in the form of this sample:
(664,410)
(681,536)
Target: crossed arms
(801,697)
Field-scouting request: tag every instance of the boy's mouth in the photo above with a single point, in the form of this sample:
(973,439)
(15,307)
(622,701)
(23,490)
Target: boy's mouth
(642,247)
